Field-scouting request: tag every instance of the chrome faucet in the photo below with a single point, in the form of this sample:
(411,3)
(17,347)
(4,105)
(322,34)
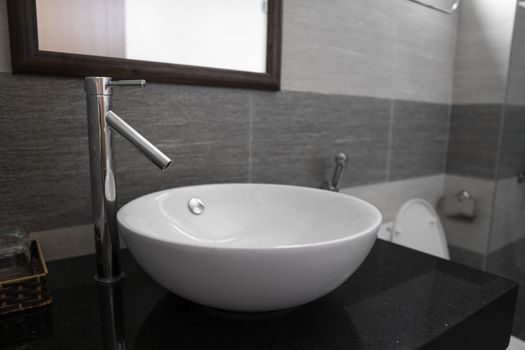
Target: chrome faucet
(341,161)
(101,120)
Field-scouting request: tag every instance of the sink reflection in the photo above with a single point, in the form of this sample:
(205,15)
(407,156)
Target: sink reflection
(173,320)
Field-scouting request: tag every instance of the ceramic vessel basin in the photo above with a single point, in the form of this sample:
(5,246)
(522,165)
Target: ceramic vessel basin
(255,247)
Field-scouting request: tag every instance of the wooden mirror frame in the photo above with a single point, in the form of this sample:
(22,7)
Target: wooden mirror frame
(27,58)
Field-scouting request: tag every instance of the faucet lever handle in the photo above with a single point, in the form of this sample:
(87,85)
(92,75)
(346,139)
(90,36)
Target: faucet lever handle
(138,82)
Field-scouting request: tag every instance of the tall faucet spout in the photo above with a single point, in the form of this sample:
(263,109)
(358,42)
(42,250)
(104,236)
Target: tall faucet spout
(137,140)
(100,123)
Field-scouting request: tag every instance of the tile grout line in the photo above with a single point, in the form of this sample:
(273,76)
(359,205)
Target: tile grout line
(392,108)
(250,135)
(447,137)
(447,146)
(452,87)
(390,136)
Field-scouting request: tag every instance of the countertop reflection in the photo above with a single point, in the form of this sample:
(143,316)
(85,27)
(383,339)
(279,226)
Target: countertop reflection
(398,299)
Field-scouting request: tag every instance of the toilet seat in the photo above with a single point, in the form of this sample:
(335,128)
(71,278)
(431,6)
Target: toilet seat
(417,226)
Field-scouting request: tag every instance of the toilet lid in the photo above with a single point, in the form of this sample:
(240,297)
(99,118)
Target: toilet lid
(417,226)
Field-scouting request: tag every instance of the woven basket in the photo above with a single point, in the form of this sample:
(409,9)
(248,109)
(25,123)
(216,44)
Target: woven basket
(26,292)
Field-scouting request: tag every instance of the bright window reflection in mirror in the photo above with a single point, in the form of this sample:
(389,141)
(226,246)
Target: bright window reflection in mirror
(227,34)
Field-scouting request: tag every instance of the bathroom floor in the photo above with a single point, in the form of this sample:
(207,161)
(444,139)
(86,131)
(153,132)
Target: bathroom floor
(517,273)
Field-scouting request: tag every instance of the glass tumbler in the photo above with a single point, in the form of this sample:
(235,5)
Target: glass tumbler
(15,255)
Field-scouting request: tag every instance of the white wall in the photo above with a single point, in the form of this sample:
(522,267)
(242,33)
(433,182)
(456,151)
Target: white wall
(483,50)
(381,48)
(516,88)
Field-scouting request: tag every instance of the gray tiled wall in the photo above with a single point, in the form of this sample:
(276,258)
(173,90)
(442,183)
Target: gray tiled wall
(479,147)
(419,139)
(483,50)
(512,150)
(204,130)
(295,136)
(474,140)
(43,157)
(5,57)
(212,134)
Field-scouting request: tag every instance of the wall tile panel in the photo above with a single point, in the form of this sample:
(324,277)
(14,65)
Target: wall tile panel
(473,140)
(296,135)
(419,139)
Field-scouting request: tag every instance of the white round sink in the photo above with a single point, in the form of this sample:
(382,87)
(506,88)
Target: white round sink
(249,247)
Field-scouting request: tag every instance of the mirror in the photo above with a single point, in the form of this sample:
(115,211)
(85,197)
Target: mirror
(233,43)
(203,33)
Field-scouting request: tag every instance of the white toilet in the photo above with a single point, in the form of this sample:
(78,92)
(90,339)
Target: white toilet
(417,226)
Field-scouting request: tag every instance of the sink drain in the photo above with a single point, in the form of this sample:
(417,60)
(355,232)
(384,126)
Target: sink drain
(196,206)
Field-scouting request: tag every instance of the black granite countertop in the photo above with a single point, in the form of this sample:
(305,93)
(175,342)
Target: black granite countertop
(398,299)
